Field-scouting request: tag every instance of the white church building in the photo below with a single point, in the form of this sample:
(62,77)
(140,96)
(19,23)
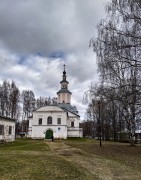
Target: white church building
(59,121)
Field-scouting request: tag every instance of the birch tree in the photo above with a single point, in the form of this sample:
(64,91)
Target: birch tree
(9,99)
(118,50)
(28,103)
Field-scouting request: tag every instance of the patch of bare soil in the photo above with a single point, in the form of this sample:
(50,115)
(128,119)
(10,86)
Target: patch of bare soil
(102,168)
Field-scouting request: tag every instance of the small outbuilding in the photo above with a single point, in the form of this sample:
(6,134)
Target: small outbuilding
(7,129)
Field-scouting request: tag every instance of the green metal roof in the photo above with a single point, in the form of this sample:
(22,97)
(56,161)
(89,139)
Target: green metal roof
(68,107)
(64,81)
(64,91)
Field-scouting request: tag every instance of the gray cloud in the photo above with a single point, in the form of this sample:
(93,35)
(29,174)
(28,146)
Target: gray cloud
(32,27)
(43,75)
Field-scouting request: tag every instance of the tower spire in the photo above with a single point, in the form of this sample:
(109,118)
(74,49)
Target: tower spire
(64,95)
(64,66)
(64,72)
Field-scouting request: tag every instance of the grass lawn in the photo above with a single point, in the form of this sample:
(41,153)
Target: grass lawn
(69,159)
(33,159)
(124,158)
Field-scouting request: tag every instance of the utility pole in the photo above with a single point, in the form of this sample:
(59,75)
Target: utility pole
(100,123)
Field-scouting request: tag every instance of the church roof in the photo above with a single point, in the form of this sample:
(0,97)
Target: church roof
(49,108)
(60,107)
(68,107)
(64,81)
(64,91)
(7,118)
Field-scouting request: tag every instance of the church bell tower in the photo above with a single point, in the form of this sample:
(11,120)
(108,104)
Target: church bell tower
(64,95)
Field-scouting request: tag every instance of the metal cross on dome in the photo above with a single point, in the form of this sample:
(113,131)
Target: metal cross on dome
(64,66)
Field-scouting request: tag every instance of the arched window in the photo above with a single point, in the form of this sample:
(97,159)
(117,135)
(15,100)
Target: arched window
(72,123)
(49,120)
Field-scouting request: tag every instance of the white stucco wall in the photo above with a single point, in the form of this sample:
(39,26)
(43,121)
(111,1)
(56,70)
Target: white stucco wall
(74,118)
(59,130)
(64,97)
(75,132)
(30,128)
(62,130)
(6,136)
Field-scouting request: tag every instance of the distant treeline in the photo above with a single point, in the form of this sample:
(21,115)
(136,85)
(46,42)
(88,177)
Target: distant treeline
(17,104)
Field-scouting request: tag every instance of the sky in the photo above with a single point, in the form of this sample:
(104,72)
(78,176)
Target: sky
(37,37)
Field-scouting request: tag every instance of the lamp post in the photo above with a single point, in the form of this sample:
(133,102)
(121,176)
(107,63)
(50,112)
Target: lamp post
(99,108)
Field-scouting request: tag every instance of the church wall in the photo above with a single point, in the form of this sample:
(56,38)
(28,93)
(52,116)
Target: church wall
(64,97)
(75,132)
(45,115)
(60,130)
(73,117)
(68,98)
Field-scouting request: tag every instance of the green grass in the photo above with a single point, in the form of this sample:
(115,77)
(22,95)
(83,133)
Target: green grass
(118,152)
(74,158)
(39,167)
(33,159)
(26,145)
(77,139)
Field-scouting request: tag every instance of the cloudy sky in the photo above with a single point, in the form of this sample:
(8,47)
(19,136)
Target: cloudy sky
(38,36)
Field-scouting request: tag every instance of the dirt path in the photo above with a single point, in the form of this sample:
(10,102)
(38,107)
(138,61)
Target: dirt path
(100,167)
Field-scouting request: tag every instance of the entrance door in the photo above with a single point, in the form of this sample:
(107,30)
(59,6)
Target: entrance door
(49,134)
